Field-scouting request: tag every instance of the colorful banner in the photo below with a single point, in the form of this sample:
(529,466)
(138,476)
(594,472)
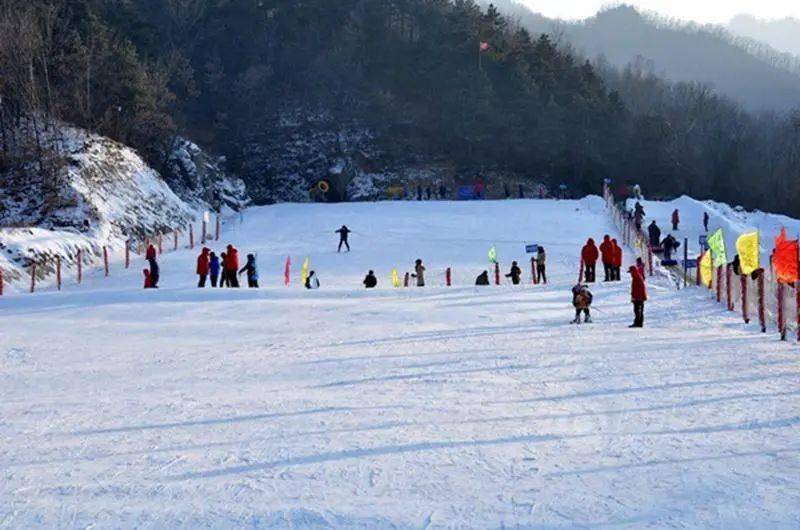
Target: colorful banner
(287,271)
(749,252)
(304,272)
(706,269)
(784,259)
(396,279)
(716,242)
(493,255)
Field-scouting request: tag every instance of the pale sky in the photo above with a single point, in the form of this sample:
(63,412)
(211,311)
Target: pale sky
(703,11)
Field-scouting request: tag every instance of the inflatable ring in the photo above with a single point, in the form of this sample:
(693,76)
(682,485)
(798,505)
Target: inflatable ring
(323,186)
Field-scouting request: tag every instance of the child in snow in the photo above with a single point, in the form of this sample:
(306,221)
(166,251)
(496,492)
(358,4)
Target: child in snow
(581,301)
(482,279)
(146,273)
(252,272)
(515,274)
(213,268)
(370,282)
(312,282)
(344,234)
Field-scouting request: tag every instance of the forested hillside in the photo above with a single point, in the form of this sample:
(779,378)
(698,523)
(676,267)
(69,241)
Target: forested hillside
(288,90)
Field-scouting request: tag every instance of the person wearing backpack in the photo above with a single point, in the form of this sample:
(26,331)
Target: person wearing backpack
(582,301)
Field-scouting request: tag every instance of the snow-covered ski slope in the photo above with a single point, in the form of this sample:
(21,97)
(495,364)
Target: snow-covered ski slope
(440,407)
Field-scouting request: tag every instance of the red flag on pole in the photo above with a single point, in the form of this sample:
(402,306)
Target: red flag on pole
(785,259)
(287,271)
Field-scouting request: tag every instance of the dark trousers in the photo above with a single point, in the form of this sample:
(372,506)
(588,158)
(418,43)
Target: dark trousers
(345,243)
(202,281)
(616,274)
(214,278)
(578,314)
(541,273)
(638,314)
(590,272)
(608,269)
(252,284)
(232,278)
(674,227)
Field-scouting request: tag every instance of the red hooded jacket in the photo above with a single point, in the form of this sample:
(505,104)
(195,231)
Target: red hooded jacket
(151,252)
(638,287)
(616,254)
(589,254)
(606,248)
(203,262)
(232,259)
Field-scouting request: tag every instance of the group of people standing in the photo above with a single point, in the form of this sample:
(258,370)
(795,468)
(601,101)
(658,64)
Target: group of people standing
(609,253)
(223,270)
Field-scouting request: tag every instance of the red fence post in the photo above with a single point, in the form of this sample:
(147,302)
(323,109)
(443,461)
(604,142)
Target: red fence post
(105,259)
(533,272)
(448,276)
(781,313)
(729,286)
(497,274)
(205,227)
(406,280)
(216,231)
(191,236)
(762,310)
(58,272)
(719,284)
(80,266)
(33,277)
(744,299)
(650,258)
(1,282)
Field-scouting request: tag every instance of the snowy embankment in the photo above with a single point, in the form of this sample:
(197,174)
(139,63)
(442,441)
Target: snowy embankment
(409,408)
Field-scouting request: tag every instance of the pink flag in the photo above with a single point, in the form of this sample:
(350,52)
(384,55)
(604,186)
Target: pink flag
(484,46)
(287,271)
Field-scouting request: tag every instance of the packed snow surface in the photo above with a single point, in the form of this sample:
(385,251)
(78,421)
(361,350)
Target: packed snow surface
(431,407)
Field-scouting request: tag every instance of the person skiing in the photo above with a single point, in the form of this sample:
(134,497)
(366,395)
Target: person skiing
(344,233)
(252,271)
(581,301)
(515,273)
(155,273)
(607,252)
(638,297)
(482,279)
(232,266)
(312,282)
(419,273)
(213,269)
(654,232)
(706,219)
(676,219)
(590,255)
(616,261)
(370,282)
(203,262)
(541,263)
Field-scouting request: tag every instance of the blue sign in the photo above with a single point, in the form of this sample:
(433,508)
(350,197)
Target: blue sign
(703,241)
(532,249)
(690,263)
(466,193)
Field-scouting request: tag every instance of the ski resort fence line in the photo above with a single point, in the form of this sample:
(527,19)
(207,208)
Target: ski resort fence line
(763,294)
(53,265)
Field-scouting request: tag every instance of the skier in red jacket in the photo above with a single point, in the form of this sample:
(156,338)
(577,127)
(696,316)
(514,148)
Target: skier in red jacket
(590,255)
(232,266)
(151,252)
(638,297)
(616,261)
(203,262)
(606,249)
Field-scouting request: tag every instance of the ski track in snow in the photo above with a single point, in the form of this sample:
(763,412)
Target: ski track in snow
(413,408)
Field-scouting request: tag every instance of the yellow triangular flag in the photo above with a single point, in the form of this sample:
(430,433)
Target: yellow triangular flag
(748,248)
(396,279)
(706,269)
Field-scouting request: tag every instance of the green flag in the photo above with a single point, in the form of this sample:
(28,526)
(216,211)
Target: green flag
(493,255)
(716,242)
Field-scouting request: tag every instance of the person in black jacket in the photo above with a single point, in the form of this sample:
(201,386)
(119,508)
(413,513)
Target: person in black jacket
(344,233)
(154,272)
(252,272)
(655,234)
(483,278)
(370,282)
(515,273)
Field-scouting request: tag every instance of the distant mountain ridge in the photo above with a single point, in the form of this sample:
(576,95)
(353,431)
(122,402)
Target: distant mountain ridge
(782,34)
(748,72)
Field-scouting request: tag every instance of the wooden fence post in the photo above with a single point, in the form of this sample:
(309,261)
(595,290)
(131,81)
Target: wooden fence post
(105,259)
(779,292)
(80,266)
(744,299)
(216,234)
(449,277)
(497,274)
(175,238)
(729,286)
(1,282)
(762,310)
(191,236)
(33,277)
(58,272)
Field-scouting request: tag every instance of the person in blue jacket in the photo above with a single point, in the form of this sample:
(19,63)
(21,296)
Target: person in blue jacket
(213,269)
(252,271)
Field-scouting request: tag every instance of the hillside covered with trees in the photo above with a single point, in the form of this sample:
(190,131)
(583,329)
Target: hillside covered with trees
(287,89)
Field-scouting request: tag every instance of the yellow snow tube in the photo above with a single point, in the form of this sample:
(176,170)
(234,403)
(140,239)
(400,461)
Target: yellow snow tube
(323,186)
